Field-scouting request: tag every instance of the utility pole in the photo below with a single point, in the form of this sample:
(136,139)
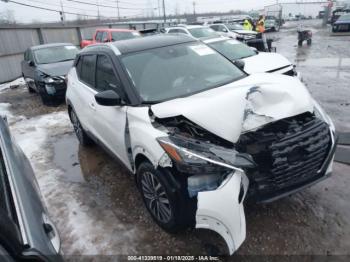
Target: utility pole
(98,9)
(118,9)
(164,15)
(194,9)
(159,11)
(62,14)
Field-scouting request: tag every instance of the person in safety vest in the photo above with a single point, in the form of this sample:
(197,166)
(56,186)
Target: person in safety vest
(247,25)
(260,25)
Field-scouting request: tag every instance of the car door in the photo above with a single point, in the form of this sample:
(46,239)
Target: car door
(83,90)
(109,122)
(24,223)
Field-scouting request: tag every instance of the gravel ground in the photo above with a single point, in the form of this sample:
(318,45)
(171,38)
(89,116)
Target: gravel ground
(97,209)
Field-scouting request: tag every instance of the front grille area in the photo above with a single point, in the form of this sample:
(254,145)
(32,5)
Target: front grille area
(289,153)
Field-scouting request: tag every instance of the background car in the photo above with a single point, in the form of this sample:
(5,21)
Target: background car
(342,25)
(109,35)
(26,231)
(253,60)
(235,29)
(44,69)
(196,31)
(271,25)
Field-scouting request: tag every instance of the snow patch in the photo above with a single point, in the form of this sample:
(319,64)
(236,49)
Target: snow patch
(18,82)
(5,109)
(85,228)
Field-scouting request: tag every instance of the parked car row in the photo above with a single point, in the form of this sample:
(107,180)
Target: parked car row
(45,66)
(201,121)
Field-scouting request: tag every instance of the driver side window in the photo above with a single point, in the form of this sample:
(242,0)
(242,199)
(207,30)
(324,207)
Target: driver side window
(105,76)
(98,36)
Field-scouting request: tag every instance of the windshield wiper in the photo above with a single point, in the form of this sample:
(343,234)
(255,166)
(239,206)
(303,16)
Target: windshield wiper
(65,60)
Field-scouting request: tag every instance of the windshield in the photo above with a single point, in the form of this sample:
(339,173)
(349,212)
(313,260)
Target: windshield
(235,27)
(55,54)
(232,49)
(202,32)
(344,18)
(116,36)
(177,71)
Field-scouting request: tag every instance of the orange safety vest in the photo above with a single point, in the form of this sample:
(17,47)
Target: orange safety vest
(260,26)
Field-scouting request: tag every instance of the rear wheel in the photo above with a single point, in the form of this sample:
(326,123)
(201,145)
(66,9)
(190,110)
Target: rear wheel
(81,134)
(300,42)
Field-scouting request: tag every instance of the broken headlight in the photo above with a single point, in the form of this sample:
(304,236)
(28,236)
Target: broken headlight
(321,114)
(206,164)
(50,83)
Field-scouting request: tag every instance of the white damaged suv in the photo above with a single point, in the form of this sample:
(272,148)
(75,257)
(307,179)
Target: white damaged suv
(196,130)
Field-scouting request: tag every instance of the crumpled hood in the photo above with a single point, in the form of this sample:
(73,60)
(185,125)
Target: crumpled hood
(264,62)
(241,106)
(56,69)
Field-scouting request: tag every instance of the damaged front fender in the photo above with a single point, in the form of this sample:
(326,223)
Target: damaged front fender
(222,210)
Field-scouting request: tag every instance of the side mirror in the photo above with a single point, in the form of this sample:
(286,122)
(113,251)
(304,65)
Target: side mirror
(224,30)
(31,63)
(240,64)
(108,98)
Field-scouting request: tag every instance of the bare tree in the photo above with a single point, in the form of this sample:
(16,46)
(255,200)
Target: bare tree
(7,17)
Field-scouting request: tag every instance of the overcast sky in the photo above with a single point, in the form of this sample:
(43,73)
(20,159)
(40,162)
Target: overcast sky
(127,7)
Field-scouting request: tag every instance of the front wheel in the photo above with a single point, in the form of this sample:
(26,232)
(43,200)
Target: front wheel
(300,42)
(309,41)
(161,200)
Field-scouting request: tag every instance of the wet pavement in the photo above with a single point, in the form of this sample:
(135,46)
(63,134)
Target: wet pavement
(98,210)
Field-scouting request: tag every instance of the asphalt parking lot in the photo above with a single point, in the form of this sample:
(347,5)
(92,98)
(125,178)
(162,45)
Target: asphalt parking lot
(97,208)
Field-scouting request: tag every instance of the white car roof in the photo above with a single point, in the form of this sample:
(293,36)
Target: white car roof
(186,27)
(217,39)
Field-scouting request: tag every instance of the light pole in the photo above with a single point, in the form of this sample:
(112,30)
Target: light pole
(98,9)
(63,15)
(164,16)
(118,9)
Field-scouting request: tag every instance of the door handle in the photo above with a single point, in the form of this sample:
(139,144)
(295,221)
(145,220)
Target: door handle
(92,105)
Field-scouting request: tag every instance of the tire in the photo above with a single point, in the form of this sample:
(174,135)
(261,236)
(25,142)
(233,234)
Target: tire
(30,89)
(309,42)
(81,134)
(300,43)
(164,202)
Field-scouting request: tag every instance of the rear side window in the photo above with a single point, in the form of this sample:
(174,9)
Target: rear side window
(78,65)
(30,56)
(87,70)
(177,31)
(26,55)
(215,27)
(105,76)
